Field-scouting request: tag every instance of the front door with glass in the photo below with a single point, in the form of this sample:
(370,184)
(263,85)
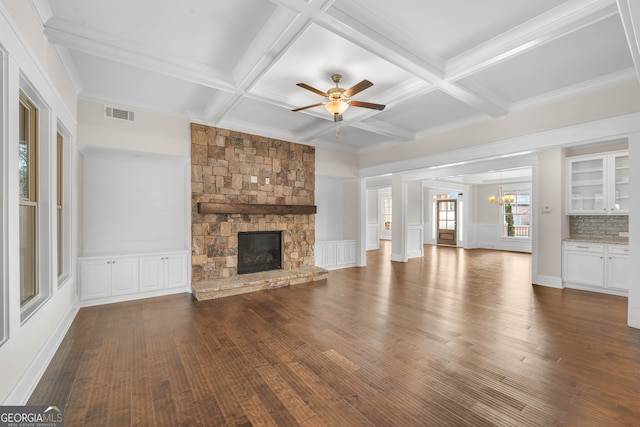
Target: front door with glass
(447,222)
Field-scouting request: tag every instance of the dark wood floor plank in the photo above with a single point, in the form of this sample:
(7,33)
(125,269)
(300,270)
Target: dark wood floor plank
(458,337)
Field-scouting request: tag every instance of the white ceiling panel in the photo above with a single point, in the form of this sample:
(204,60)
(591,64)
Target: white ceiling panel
(114,81)
(216,33)
(426,111)
(592,52)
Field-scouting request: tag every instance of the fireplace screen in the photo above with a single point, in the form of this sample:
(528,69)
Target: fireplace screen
(259,251)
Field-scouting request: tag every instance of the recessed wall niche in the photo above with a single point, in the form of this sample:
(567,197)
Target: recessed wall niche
(133,202)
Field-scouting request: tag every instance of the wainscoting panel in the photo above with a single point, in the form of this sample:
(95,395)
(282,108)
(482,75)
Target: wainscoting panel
(414,241)
(335,254)
(373,236)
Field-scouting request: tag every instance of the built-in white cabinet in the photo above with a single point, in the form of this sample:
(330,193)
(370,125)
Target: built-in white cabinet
(595,266)
(598,184)
(105,279)
(163,271)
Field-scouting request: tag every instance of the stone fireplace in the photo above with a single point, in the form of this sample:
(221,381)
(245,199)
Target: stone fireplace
(246,183)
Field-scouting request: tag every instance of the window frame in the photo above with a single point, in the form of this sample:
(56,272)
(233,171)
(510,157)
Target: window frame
(31,195)
(63,182)
(46,200)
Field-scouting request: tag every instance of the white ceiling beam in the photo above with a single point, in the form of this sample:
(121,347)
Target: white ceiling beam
(630,15)
(547,27)
(96,43)
(386,129)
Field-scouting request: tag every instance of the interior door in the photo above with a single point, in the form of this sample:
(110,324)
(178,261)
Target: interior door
(447,222)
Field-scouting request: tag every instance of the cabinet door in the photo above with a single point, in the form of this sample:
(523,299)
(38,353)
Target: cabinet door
(619,195)
(151,272)
(124,275)
(95,278)
(617,272)
(176,270)
(587,186)
(584,268)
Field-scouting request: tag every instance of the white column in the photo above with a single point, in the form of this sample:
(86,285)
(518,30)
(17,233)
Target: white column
(634,231)
(361,237)
(399,219)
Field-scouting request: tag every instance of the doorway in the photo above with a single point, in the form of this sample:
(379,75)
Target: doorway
(447,225)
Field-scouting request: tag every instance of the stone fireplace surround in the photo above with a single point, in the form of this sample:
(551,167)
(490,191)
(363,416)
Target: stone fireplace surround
(241,172)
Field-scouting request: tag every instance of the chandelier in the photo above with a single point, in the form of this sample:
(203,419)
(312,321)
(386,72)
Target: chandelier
(501,199)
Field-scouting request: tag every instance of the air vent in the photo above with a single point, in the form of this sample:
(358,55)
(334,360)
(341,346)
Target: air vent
(117,113)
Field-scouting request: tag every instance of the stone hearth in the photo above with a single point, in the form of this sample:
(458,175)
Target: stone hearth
(219,288)
(232,169)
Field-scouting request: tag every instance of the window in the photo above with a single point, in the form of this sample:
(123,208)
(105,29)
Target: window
(59,197)
(515,214)
(28,188)
(387,212)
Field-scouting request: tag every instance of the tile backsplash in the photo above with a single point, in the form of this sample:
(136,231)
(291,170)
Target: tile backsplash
(598,226)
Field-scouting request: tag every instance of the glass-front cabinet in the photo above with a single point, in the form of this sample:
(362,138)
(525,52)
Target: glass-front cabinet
(598,184)
(620,197)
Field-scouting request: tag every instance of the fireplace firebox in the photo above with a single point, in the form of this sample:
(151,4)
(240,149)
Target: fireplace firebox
(259,251)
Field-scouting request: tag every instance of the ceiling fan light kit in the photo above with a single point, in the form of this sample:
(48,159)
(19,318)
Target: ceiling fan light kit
(338,99)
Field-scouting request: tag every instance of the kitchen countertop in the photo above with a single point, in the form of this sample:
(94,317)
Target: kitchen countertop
(605,240)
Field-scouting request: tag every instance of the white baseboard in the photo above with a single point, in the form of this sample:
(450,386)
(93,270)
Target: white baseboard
(31,377)
(550,281)
(397,258)
(136,296)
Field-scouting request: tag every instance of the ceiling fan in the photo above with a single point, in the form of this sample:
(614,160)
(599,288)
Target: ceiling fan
(339,99)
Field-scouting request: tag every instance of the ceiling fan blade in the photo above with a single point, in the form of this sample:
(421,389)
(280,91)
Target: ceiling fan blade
(337,117)
(309,106)
(312,89)
(367,105)
(358,88)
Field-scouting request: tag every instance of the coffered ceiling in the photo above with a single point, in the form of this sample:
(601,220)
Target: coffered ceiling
(435,64)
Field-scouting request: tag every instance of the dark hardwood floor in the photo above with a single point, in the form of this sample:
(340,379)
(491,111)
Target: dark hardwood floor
(454,338)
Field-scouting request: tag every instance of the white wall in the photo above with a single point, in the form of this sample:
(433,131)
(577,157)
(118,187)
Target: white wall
(350,219)
(336,163)
(330,203)
(550,228)
(31,344)
(149,133)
